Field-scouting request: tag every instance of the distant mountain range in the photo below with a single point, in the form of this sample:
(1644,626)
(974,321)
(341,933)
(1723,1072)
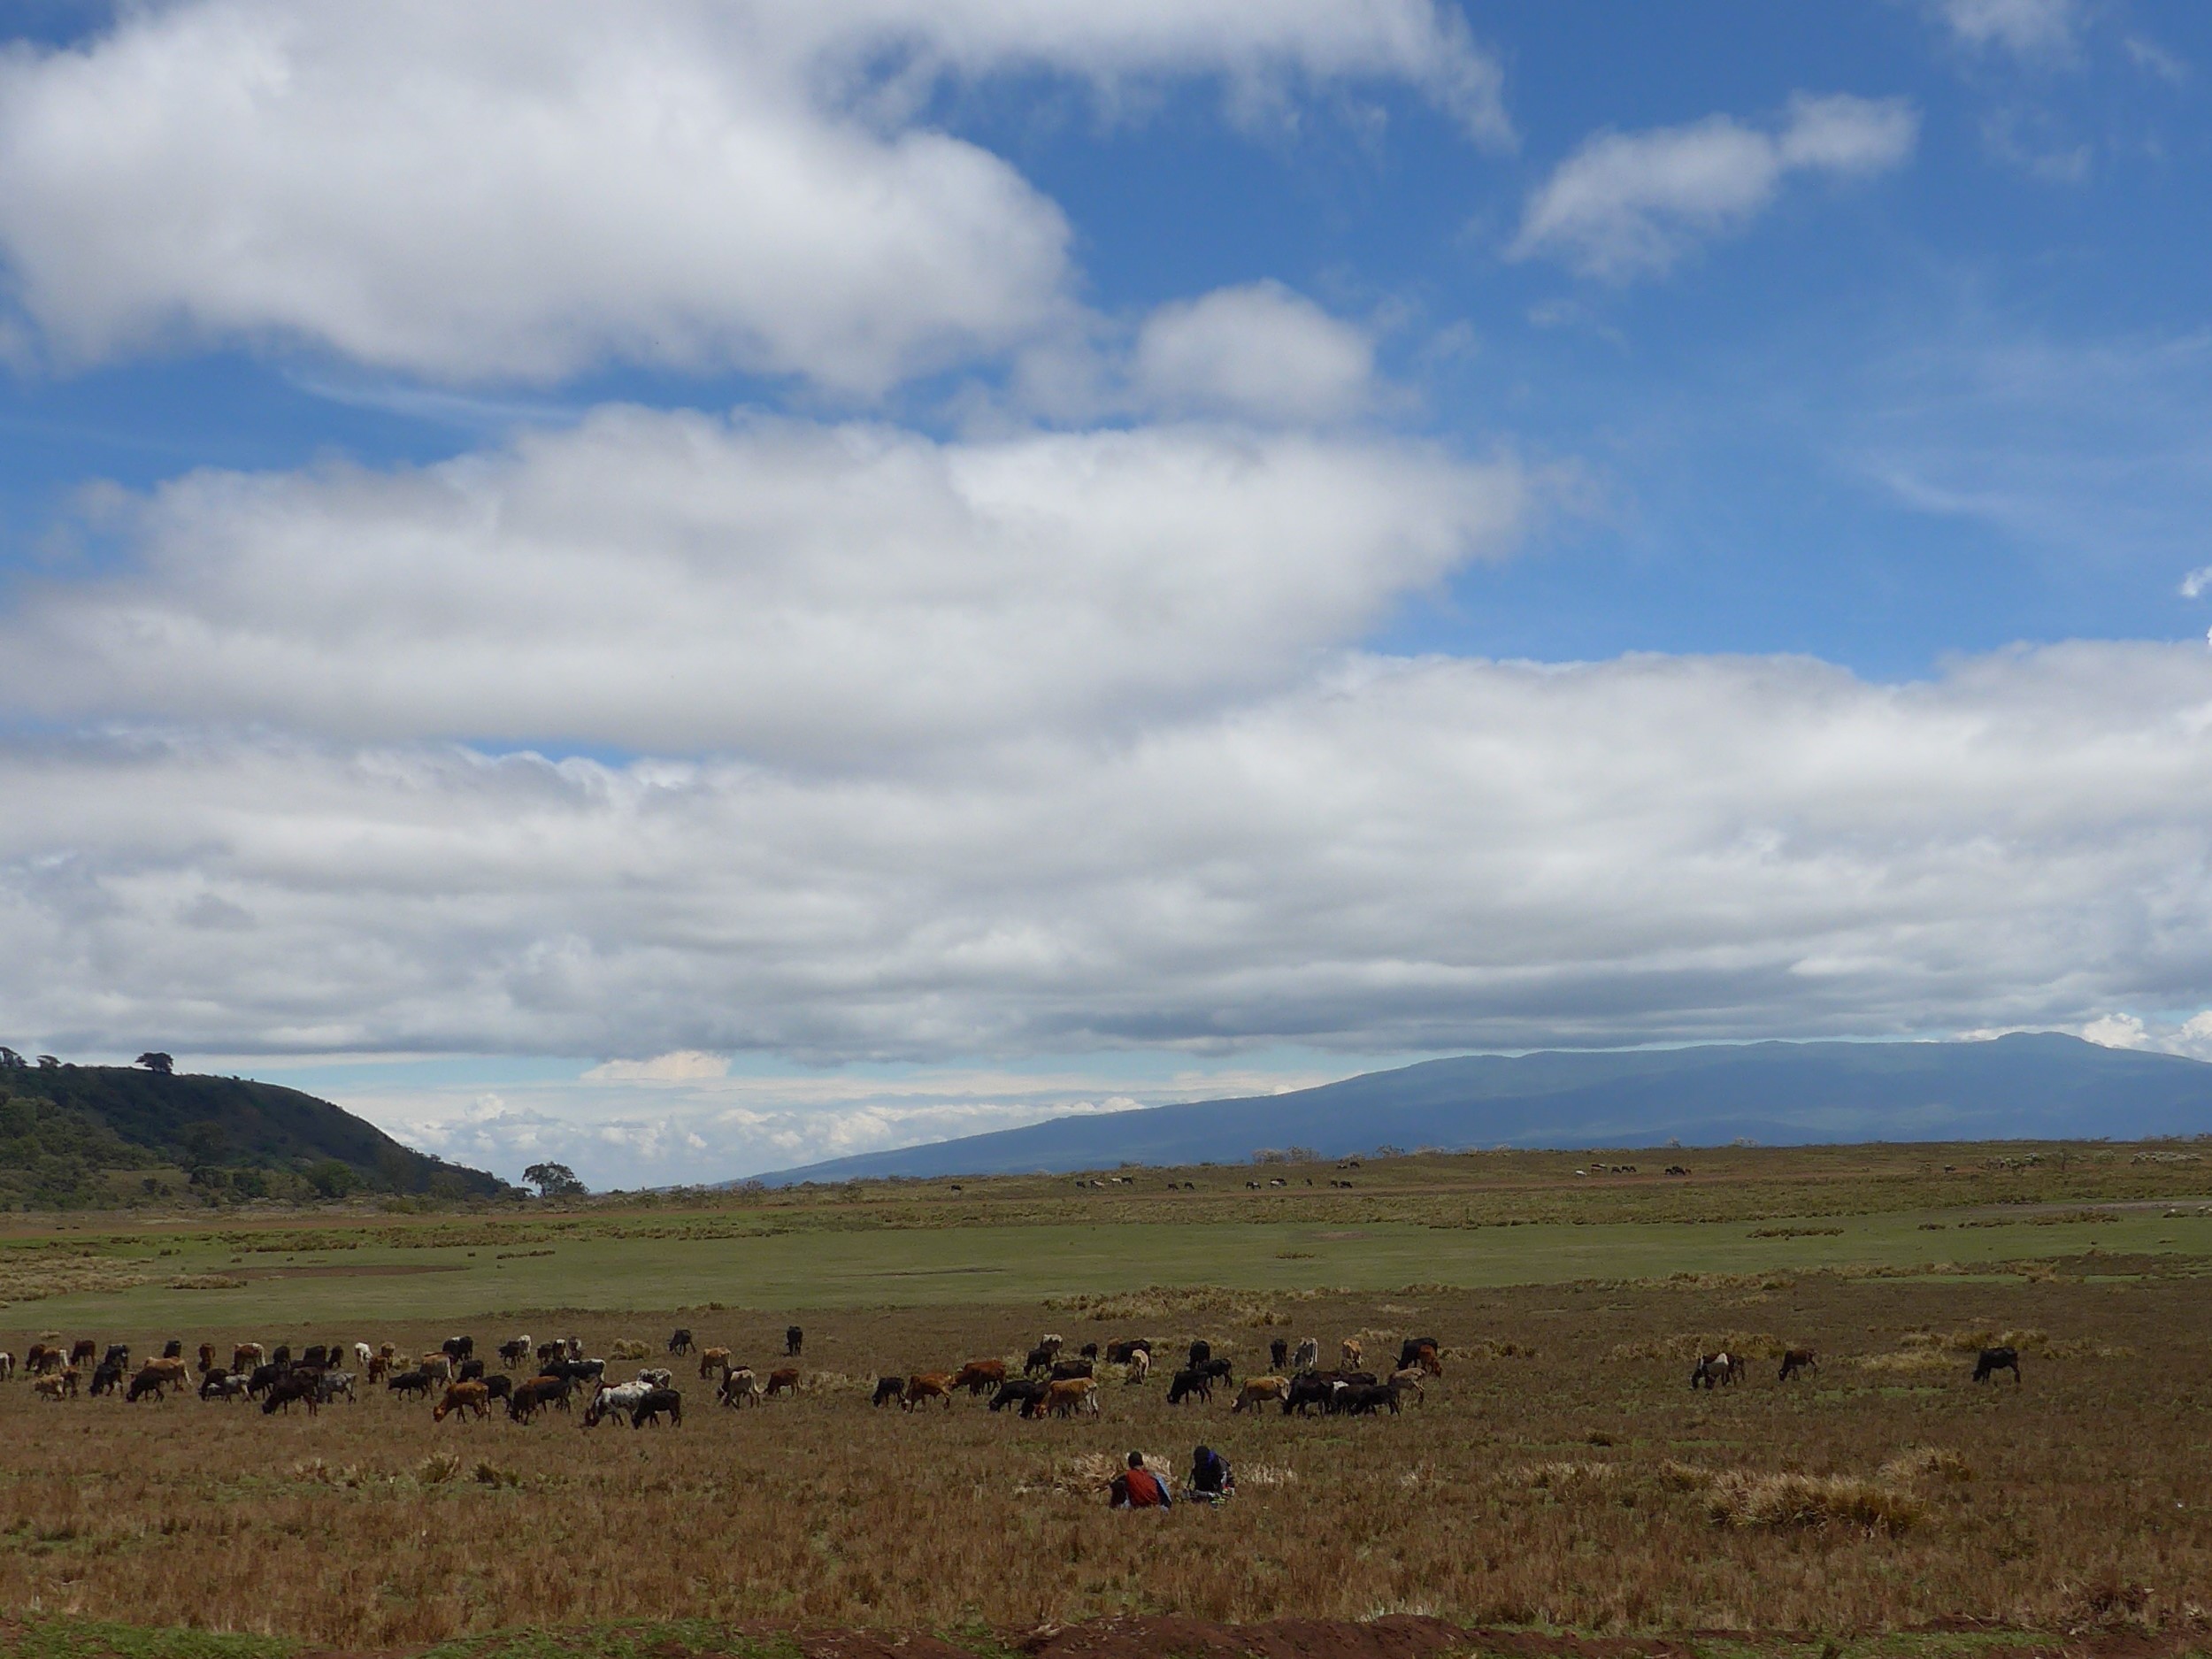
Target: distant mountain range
(2028,1086)
(68,1131)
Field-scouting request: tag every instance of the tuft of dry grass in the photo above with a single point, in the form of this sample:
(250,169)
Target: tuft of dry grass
(1925,1462)
(1741,1499)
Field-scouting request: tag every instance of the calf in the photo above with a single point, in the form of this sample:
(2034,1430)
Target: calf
(1257,1391)
(409,1382)
(1993,1360)
(611,1402)
(534,1396)
(1797,1359)
(656,1401)
(471,1397)
(47,1388)
(981,1376)
(738,1388)
(887,1390)
(1409,1350)
(1065,1399)
(783,1381)
(514,1351)
(793,1339)
(1025,1395)
(681,1341)
(923,1387)
(1139,1365)
(1186,1383)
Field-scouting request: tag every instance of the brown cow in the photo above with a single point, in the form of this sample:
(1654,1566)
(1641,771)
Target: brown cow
(462,1396)
(438,1364)
(712,1360)
(379,1368)
(926,1385)
(1408,1381)
(173,1373)
(1352,1352)
(1797,1359)
(738,1388)
(84,1351)
(207,1358)
(1257,1391)
(981,1376)
(47,1388)
(1077,1394)
(246,1355)
(784,1381)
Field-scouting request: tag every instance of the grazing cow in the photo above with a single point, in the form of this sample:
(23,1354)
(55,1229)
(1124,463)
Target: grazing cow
(300,1386)
(1067,1370)
(1993,1360)
(681,1341)
(173,1371)
(1186,1383)
(47,1388)
(1028,1395)
(81,1350)
(712,1360)
(1362,1399)
(471,1397)
(793,1339)
(1089,1351)
(106,1379)
(499,1387)
(784,1381)
(612,1403)
(1408,1381)
(40,1361)
(1797,1359)
(362,1355)
(1041,1359)
(887,1390)
(534,1396)
(316,1358)
(656,1377)
(207,1358)
(655,1402)
(1412,1351)
(981,1376)
(1352,1351)
(1065,1399)
(332,1384)
(472,1371)
(1257,1391)
(408,1382)
(923,1387)
(119,1354)
(1308,1389)
(738,1388)
(457,1348)
(173,1349)
(1279,1353)
(1140,1364)
(1711,1370)
(379,1368)
(221,1384)
(1309,1355)
(439,1365)
(514,1351)
(7,1365)
(246,1355)
(1056,1343)
(1122,1353)
(1201,1351)
(1219,1368)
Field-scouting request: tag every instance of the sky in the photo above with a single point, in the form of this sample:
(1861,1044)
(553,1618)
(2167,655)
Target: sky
(696,586)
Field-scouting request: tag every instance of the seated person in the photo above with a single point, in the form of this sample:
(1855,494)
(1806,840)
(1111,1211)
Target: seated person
(1137,1488)
(1210,1478)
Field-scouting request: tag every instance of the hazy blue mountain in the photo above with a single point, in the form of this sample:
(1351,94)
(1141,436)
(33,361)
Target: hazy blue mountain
(2035,1086)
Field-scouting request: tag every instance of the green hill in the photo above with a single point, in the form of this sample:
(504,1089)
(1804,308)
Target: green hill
(83,1134)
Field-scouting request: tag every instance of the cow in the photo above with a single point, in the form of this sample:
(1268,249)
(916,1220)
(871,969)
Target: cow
(1186,1383)
(1139,1365)
(297,1384)
(362,1355)
(793,1339)
(41,1361)
(1307,1389)
(514,1351)
(783,1381)
(680,1342)
(534,1396)
(499,1387)
(612,1403)
(7,1365)
(246,1355)
(409,1382)
(1016,1391)
(981,1376)
(1121,1353)
(1065,1399)
(1362,1399)
(1201,1351)
(472,1371)
(887,1390)
(1408,1381)
(379,1368)
(106,1379)
(222,1385)
(1056,1343)
(1992,1360)
(1797,1359)
(655,1402)
(317,1357)
(923,1387)
(47,1388)
(1279,1353)
(207,1358)
(173,1349)
(471,1397)
(172,1371)
(738,1388)
(1257,1391)
(1041,1359)
(1089,1351)
(1068,1369)
(1352,1351)
(656,1377)
(1713,1368)
(81,1350)
(439,1365)
(712,1360)
(332,1384)
(457,1348)
(1420,1351)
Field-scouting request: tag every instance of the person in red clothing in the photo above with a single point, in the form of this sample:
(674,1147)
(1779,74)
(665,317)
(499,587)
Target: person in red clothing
(1137,1488)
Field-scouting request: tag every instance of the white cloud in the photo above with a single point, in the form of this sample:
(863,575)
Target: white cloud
(1259,352)
(522,190)
(2116,1031)
(1629,204)
(681,1066)
(1402,855)
(2026,28)
(794,591)
(2195,582)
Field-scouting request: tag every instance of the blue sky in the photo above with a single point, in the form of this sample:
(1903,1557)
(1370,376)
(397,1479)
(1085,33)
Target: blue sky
(723,588)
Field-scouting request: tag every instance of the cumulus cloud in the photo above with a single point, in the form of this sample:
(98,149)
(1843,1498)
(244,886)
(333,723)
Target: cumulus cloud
(796,591)
(1260,352)
(2026,28)
(1626,204)
(1398,856)
(681,1066)
(523,189)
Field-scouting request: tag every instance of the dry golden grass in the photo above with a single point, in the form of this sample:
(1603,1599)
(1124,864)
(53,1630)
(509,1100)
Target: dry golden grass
(1568,1485)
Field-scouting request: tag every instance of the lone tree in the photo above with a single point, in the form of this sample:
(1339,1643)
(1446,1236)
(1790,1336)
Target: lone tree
(154,1060)
(11,1061)
(554,1180)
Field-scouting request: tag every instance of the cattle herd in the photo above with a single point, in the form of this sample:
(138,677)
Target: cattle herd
(532,1377)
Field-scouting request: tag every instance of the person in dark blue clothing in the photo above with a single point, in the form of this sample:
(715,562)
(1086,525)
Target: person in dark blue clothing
(1211,1480)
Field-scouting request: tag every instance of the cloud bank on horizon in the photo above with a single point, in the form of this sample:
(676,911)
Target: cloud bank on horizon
(800,578)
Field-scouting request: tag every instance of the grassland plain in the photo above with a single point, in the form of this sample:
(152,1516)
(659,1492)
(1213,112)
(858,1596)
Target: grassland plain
(1561,1478)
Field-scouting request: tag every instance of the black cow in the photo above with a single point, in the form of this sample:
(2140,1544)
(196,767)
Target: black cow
(119,1354)
(1356,1399)
(794,1339)
(1993,1360)
(173,1349)
(534,1396)
(680,1342)
(1089,1350)
(1028,1395)
(1409,1350)
(514,1352)
(264,1378)
(1040,1358)
(890,1388)
(1278,1355)
(499,1388)
(472,1371)
(106,1377)
(1308,1390)
(1217,1369)
(1201,1351)
(282,1356)
(316,1358)
(1121,1353)
(305,1387)
(655,1402)
(1187,1383)
(407,1382)
(457,1348)
(1069,1369)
